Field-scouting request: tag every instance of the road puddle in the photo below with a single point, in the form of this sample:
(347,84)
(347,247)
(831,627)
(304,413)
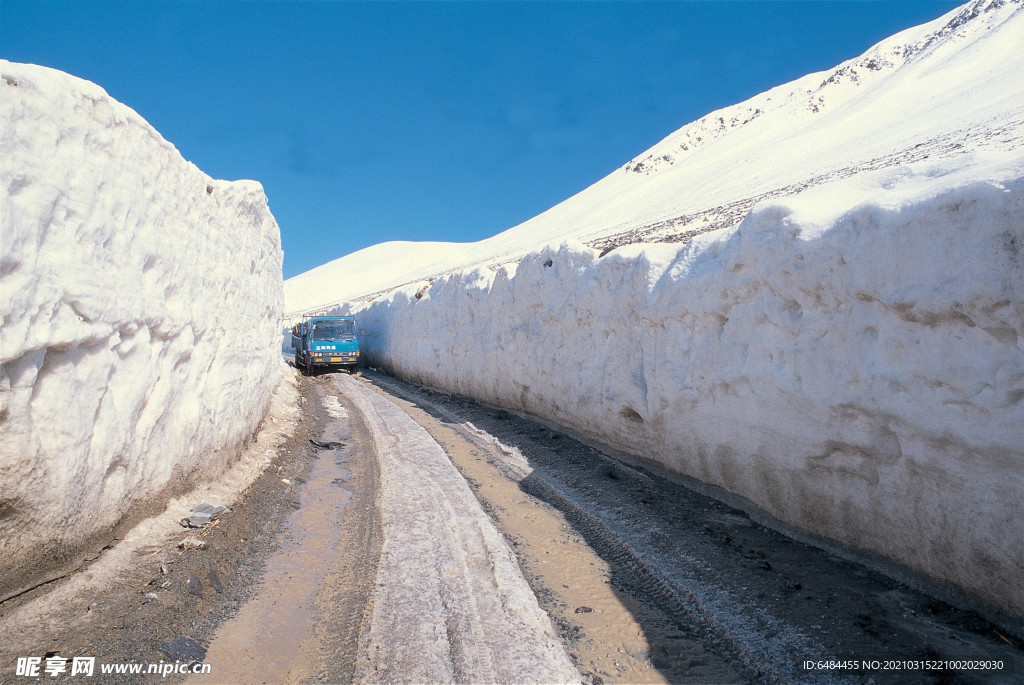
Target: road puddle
(263,642)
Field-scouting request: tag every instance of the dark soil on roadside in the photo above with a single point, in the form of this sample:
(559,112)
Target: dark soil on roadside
(196,589)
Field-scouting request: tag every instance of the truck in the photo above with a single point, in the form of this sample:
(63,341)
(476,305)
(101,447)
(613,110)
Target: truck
(325,342)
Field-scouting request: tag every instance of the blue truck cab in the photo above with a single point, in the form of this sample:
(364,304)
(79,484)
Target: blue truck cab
(325,342)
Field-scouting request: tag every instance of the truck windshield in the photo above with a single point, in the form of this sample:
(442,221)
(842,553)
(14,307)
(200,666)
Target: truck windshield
(334,330)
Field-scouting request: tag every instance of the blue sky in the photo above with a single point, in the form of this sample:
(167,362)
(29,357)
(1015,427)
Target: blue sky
(371,121)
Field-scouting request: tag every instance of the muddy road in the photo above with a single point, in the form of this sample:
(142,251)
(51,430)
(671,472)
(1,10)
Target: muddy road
(403,535)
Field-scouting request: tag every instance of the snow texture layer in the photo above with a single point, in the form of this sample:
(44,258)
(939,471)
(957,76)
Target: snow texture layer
(140,312)
(450,605)
(853,366)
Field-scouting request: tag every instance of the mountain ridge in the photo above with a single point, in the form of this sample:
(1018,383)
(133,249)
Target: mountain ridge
(881,59)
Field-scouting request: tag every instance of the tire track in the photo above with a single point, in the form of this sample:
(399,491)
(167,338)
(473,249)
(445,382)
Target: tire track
(449,604)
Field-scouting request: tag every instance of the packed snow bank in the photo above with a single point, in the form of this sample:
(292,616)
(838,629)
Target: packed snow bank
(141,303)
(850,359)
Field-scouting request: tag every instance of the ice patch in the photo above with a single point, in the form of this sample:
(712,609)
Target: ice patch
(334,408)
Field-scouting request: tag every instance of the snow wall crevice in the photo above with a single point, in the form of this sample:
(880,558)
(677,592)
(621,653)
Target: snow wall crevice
(857,375)
(140,303)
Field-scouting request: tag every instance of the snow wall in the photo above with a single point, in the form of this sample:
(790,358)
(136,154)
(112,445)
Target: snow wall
(141,303)
(849,360)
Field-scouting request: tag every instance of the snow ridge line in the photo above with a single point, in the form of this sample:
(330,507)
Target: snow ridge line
(721,635)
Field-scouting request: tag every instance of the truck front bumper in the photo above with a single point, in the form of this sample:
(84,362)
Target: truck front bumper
(329,358)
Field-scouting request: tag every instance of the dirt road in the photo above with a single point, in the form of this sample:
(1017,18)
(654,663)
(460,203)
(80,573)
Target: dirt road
(407,536)
(304,622)
(643,580)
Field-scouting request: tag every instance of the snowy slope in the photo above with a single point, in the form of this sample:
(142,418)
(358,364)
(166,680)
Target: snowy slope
(140,302)
(938,90)
(846,350)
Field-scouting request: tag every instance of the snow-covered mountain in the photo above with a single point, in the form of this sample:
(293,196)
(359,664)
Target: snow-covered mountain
(811,300)
(939,90)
